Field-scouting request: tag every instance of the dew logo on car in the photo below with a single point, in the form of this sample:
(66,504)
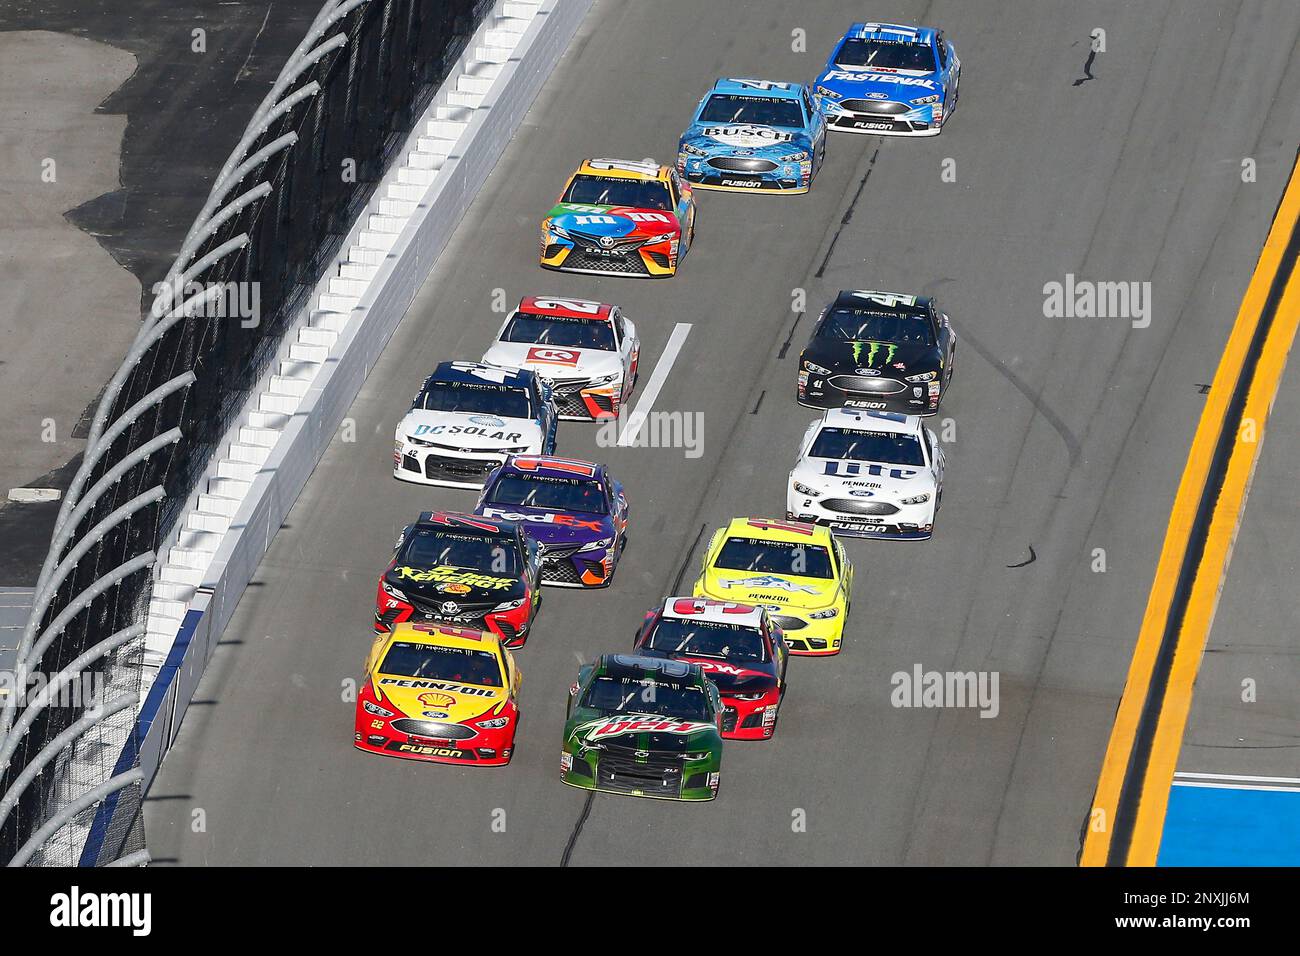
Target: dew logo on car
(564,520)
(637,724)
(450,574)
(552,356)
(731,670)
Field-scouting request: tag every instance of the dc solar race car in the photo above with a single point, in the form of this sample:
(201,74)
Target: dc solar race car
(620,217)
(754,136)
(466,418)
(643,726)
(575,510)
(890,79)
(438,693)
(586,351)
(796,570)
(462,570)
(878,351)
(738,648)
(868,475)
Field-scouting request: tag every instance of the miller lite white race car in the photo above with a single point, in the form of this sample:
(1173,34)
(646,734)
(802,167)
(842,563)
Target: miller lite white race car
(587,351)
(868,475)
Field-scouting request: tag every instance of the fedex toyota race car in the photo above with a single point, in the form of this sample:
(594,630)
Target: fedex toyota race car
(587,352)
(868,475)
(754,136)
(620,217)
(643,726)
(890,79)
(798,571)
(438,693)
(574,510)
(738,648)
(466,418)
(462,570)
(881,351)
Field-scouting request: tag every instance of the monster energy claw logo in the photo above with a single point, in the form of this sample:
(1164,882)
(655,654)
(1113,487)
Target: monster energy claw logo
(873,351)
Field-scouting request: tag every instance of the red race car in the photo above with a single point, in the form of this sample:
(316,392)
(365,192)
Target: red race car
(463,570)
(739,649)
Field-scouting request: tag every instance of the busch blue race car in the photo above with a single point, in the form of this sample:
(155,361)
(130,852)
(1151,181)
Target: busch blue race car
(890,79)
(754,136)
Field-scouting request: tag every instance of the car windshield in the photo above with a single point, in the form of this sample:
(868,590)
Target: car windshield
(561,331)
(463,665)
(754,110)
(612,695)
(775,557)
(427,548)
(485,398)
(886,55)
(848,444)
(877,325)
(618,191)
(724,642)
(553,494)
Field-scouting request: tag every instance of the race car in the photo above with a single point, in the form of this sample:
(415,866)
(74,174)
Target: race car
(574,510)
(586,351)
(878,351)
(462,570)
(868,475)
(620,217)
(466,418)
(798,571)
(890,79)
(438,693)
(754,136)
(738,648)
(643,726)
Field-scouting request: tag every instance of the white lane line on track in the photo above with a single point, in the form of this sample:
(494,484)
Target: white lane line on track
(1235,781)
(657,378)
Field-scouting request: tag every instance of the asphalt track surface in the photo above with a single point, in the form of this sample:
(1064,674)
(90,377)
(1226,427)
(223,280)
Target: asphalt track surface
(1066,436)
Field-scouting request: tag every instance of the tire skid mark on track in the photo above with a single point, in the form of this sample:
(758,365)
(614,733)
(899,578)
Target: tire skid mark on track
(846,218)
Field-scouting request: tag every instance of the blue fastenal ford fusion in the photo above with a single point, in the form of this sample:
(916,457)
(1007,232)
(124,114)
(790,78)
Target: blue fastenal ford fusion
(890,79)
(754,136)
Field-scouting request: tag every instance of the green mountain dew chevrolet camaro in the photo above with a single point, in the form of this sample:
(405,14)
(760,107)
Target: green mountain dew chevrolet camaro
(644,726)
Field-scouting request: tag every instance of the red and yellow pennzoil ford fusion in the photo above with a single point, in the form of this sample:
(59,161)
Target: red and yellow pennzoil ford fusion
(439,693)
(620,217)
(798,571)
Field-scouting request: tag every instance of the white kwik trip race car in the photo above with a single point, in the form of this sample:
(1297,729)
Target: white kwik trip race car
(868,475)
(587,352)
(467,418)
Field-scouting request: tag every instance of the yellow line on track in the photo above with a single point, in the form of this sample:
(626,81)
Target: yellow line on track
(1124,752)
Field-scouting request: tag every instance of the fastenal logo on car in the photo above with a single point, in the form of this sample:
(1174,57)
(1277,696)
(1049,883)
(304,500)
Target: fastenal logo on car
(75,909)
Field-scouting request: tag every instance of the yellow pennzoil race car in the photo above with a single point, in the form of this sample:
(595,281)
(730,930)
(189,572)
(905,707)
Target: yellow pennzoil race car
(439,693)
(619,217)
(798,571)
